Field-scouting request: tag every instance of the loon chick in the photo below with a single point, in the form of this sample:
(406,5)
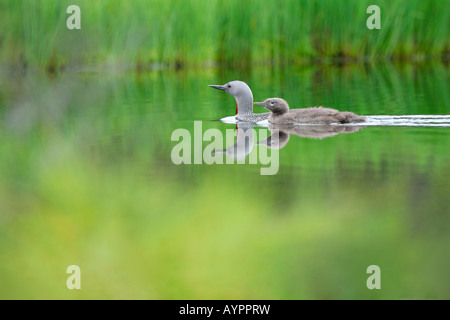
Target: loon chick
(244,101)
(316,115)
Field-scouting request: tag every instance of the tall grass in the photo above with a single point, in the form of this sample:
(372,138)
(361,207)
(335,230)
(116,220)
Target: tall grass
(145,32)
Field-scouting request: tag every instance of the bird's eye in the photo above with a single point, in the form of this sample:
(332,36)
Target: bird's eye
(272,103)
(229,86)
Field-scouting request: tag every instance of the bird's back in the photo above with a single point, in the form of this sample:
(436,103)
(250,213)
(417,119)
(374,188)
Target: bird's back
(317,115)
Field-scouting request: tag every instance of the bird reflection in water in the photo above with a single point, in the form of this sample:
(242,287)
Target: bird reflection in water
(280,135)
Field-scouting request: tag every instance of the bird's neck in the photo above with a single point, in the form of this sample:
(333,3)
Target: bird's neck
(244,104)
(275,117)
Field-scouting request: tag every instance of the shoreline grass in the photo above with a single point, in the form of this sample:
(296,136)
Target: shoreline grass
(232,33)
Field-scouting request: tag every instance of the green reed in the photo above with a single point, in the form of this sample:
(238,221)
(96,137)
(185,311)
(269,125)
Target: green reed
(144,33)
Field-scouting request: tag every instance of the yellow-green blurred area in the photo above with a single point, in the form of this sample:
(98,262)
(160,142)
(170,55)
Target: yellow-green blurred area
(87,179)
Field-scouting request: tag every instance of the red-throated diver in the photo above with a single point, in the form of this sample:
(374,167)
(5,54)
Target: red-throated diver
(316,115)
(244,101)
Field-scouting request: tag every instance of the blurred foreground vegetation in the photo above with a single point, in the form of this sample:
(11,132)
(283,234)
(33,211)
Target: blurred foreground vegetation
(86,179)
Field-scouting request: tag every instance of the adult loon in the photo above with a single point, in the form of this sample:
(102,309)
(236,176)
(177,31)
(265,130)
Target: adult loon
(316,115)
(244,101)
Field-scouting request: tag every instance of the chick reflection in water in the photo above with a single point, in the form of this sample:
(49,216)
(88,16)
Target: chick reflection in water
(281,133)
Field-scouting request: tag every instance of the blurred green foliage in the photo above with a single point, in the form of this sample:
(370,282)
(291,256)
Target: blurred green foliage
(143,34)
(86,179)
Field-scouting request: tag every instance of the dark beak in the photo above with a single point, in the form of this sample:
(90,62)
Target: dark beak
(218,151)
(217,87)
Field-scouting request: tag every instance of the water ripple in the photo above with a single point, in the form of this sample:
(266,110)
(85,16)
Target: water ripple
(442,121)
(408,121)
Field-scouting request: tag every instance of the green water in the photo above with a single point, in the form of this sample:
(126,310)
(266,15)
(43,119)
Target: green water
(86,178)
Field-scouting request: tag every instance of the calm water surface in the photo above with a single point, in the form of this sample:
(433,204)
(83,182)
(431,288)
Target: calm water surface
(87,178)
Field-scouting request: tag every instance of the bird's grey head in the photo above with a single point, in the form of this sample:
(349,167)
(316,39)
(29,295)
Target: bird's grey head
(235,88)
(276,105)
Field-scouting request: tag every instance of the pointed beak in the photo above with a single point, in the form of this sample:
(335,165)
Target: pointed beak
(218,151)
(262,143)
(217,87)
(260,104)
